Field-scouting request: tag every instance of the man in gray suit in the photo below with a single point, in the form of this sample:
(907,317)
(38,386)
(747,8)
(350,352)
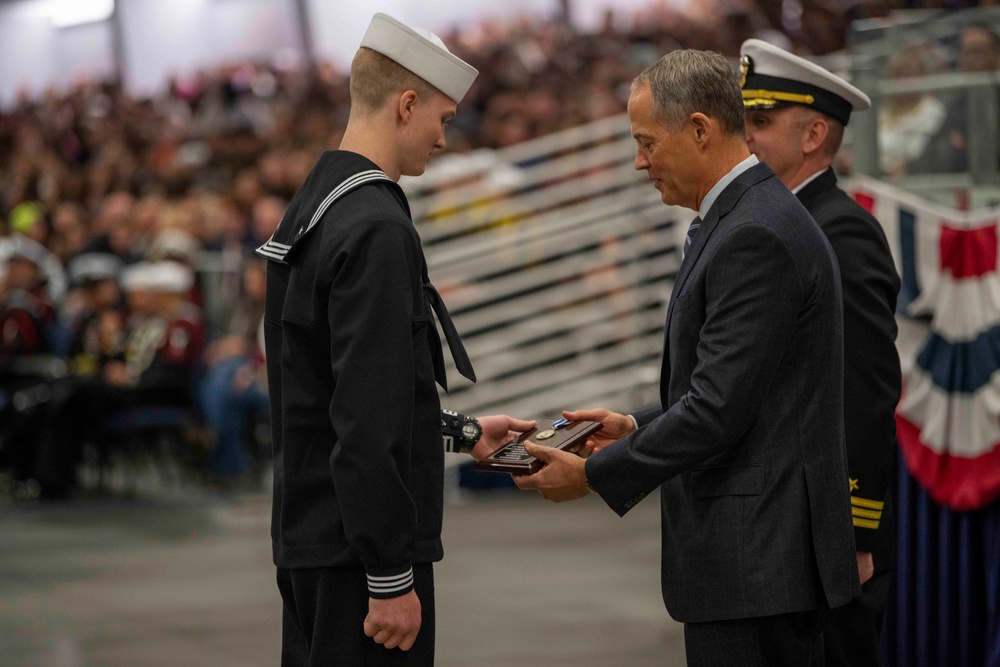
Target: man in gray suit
(747,442)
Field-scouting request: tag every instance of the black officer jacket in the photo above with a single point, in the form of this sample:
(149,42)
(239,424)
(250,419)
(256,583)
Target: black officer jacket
(351,354)
(872,380)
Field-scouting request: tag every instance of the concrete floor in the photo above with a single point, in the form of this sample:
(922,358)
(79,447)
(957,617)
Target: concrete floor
(185,578)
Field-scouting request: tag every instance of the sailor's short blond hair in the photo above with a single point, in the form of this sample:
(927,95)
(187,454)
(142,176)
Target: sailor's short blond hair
(374,78)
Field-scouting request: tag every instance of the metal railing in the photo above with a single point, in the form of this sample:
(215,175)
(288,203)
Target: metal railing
(556,258)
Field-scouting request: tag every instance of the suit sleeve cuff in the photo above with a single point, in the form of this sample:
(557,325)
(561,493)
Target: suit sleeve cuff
(646,414)
(390,585)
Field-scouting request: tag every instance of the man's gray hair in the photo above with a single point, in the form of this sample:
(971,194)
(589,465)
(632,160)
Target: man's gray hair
(689,81)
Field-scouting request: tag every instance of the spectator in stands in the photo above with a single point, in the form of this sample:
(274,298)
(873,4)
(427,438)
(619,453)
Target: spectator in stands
(97,329)
(180,246)
(162,350)
(233,390)
(93,323)
(69,231)
(27,320)
(28,222)
(28,219)
(232,244)
(910,124)
(146,216)
(175,245)
(27,315)
(246,189)
(112,230)
(978,51)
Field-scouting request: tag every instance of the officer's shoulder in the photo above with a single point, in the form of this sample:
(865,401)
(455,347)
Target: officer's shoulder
(836,208)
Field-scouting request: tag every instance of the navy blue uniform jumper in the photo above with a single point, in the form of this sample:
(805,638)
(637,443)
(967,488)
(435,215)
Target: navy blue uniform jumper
(352,359)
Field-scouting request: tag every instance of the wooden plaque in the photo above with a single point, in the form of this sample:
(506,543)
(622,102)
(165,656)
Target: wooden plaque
(512,457)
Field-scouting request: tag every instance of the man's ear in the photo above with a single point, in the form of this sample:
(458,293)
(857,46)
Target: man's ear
(814,134)
(406,104)
(703,127)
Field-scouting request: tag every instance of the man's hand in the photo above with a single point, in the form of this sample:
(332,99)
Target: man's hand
(616,426)
(866,565)
(498,430)
(394,622)
(562,478)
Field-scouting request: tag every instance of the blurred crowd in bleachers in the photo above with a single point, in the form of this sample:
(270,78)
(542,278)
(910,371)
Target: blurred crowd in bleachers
(127,280)
(928,132)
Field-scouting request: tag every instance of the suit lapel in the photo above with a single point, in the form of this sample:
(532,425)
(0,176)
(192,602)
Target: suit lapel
(719,210)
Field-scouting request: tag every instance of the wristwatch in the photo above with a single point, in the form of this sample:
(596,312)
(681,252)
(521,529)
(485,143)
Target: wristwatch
(460,433)
(471,432)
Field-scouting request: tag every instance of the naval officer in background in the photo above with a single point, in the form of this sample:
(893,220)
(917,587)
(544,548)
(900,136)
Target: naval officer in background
(796,112)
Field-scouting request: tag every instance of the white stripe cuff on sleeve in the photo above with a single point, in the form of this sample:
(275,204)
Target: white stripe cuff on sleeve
(393,584)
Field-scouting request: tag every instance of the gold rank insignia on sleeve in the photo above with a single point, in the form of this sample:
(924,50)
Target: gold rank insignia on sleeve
(866,513)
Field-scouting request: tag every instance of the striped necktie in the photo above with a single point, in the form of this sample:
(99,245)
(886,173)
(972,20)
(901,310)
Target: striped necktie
(692,233)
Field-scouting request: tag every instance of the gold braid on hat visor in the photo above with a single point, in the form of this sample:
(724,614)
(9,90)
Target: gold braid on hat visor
(760,97)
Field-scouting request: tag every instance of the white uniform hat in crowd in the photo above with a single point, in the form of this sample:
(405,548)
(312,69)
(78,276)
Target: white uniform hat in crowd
(163,277)
(94,267)
(138,276)
(772,78)
(21,247)
(175,244)
(423,53)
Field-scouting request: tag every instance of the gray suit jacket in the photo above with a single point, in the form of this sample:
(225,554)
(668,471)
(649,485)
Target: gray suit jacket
(748,447)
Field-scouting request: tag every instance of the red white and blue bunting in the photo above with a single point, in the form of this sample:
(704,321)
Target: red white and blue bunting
(948,420)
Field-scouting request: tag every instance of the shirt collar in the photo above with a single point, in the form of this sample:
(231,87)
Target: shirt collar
(723,183)
(809,180)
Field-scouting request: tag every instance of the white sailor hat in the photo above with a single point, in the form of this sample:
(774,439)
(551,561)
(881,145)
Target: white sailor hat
(175,244)
(772,78)
(21,247)
(94,267)
(423,53)
(138,276)
(166,277)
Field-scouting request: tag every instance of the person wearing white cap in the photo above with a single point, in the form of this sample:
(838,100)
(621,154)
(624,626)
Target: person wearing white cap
(352,355)
(27,314)
(155,368)
(92,342)
(28,326)
(746,442)
(795,117)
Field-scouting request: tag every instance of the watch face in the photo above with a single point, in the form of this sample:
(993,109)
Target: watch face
(470,431)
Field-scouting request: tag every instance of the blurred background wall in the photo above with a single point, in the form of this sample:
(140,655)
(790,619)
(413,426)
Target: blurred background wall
(54,42)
